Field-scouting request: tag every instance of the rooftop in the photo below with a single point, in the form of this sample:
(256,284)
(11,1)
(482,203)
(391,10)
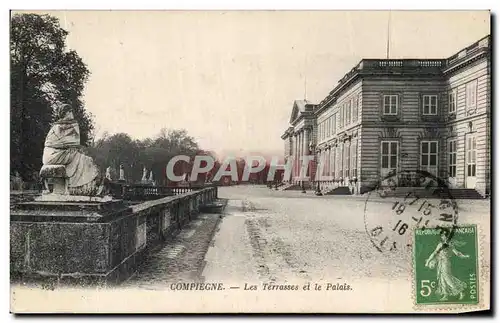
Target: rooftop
(400,66)
(301,104)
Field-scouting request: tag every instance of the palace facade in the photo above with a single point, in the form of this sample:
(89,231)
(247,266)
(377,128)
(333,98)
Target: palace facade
(393,115)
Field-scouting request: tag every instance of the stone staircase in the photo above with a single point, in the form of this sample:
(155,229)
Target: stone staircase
(456,193)
(402,192)
(295,187)
(341,190)
(462,193)
(289,187)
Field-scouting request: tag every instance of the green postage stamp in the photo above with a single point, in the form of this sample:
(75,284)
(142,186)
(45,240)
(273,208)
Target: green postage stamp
(446,265)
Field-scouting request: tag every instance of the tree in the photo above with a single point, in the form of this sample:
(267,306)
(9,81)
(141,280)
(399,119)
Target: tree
(167,144)
(114,150)
(43,74)
(153,154)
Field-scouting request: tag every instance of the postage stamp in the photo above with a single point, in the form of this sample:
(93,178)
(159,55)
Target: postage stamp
(446,265)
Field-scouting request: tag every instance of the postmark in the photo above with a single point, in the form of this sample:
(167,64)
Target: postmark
(402,202)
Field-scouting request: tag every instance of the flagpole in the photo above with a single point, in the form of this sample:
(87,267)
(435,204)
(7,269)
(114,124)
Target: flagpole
(305,87)
(388,35)
(305,77)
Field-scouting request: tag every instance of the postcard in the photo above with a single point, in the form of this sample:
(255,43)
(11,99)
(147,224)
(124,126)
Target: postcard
(250,161)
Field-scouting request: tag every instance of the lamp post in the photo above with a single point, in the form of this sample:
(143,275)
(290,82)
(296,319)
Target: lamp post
(318,191)
(312,147)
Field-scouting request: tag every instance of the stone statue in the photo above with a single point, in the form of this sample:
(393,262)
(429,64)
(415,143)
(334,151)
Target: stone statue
(108,173)
(17,181)
(72,172)
(151,177)
(144,175)
(122,173)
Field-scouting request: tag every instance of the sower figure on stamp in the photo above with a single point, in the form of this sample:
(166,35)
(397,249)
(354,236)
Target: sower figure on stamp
(62,153)
(448,284)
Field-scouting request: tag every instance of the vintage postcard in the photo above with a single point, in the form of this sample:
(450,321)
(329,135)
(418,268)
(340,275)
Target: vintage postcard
(250,161)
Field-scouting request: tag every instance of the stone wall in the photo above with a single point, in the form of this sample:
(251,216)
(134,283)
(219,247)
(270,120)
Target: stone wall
(88,251)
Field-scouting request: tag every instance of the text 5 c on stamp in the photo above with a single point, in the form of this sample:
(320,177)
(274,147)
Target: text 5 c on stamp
(446,266)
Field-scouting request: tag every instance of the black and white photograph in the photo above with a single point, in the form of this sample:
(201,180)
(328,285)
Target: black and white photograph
(250,161)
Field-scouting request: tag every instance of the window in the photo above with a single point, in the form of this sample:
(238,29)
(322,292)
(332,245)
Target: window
(328,161)
(389,156)
(348,117)
(471,156)
(341,116)
(339,161)
(346,160)
(345,114)
(324,161)
(471,95)
(429,156)
(346,110)
(354,159)
(452,101)
(334,123)
(452,158)
(390,104)
(355,109)
(430,105)
(332,161)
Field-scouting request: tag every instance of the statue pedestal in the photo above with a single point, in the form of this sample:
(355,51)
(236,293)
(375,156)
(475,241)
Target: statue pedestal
(55,175)
(77,240)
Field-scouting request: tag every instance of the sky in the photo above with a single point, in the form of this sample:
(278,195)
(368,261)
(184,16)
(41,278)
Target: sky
(230,78)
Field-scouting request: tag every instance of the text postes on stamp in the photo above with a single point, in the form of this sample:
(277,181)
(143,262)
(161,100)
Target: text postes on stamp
(404,201)
(446,267)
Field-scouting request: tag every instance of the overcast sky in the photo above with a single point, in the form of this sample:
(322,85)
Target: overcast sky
(230,78)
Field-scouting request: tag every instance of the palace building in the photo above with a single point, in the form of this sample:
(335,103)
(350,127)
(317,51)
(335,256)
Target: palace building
(386,116)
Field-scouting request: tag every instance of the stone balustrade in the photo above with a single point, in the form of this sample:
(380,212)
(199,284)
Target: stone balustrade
(479,45)
(382,66)
(367,64)
(141,192)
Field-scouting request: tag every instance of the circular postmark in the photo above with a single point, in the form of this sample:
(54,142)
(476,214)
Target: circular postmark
(404,201)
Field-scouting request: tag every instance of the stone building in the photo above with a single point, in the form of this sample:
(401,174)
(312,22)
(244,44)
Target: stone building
(393,115)
(300,137)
